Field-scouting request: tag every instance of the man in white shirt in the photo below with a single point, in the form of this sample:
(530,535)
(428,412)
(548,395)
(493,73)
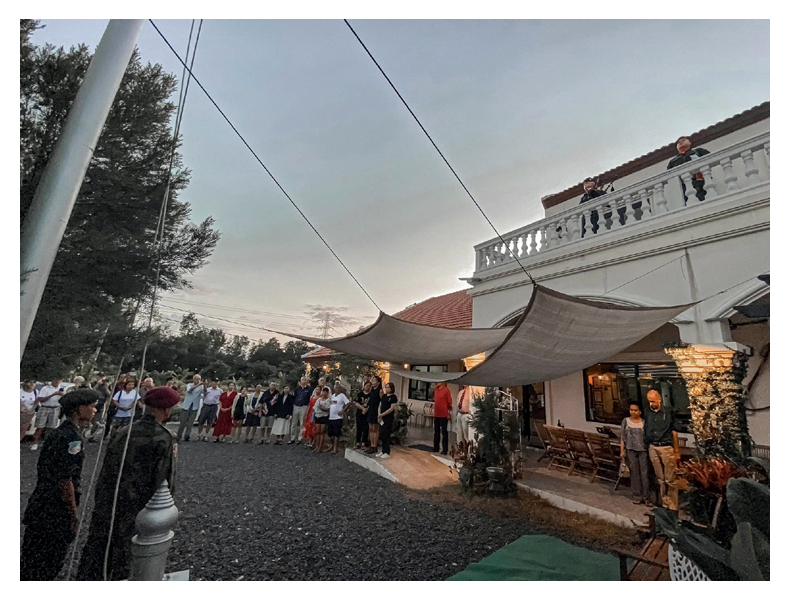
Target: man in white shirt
(48,412)
(208,414)
(337,409)
(28,399)
(190,406)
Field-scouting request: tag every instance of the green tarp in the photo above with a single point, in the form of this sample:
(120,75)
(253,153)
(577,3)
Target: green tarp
(542,558)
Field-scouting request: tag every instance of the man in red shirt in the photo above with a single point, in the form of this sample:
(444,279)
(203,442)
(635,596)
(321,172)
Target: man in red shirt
(443,404)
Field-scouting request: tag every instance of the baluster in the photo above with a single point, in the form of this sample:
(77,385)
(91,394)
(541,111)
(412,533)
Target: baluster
(710,185)
(614,204)
(767,149)
(646,208)
(688,183)
(660,201)
(730,178)
(586,223)
(573,228)
(551,239)
(752,174)
(563,232)
(630,212)
(533,242)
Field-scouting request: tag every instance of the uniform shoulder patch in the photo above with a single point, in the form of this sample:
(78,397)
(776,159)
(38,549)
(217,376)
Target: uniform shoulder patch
(75,447)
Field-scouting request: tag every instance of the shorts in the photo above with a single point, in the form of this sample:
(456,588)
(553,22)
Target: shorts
(335,427)
(322,420)
(121,421)
(47,417)
(208,414)
(267,421)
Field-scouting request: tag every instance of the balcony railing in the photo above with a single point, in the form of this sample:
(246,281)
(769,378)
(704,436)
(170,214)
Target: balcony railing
(726,172)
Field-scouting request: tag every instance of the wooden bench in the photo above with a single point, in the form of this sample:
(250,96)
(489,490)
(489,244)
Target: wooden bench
(607,465)
(543,437)
(583,458)
(651,563)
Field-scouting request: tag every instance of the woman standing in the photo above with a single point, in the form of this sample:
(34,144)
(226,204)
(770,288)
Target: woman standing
(308,431)
(28,398)
(125,402)
(321,409)
(373,414)
(238,415)
(633,447)
(387,408)
(252,408)
(362,403)
(283,410)
(223,425)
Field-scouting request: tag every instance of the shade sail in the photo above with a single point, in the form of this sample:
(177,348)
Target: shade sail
(392,340)
(555,336)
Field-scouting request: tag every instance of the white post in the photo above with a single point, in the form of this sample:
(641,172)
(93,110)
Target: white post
(154,536)
(60,183)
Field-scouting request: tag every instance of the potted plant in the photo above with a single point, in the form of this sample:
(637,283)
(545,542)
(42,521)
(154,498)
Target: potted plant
(746,555)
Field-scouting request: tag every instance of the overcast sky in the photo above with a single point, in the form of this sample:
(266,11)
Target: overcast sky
(521,109)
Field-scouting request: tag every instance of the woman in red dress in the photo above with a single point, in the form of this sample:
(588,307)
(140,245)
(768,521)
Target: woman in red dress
(224,423)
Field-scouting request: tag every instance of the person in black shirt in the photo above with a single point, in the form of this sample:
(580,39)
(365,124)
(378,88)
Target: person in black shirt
(373,414)
(387,408)
(686,154)
(267,420)
(362,404)
(282,408)
(50,517)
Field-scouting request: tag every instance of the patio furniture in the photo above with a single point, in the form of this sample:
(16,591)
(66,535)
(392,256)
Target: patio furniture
(759,451)
(543,436)
(583,458)
(607,464)
(558,448)
(651,563)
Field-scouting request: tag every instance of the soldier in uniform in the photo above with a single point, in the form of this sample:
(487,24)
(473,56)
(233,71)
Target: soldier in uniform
(150,460)
(51,514)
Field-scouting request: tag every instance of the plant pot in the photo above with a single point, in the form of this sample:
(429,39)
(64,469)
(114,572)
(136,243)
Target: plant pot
(496,474)
(466,476)
(682,568)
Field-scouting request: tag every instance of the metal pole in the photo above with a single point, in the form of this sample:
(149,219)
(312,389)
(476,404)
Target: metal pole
(154,536)
(60,183)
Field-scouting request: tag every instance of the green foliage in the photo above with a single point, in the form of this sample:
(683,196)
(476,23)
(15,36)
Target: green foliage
(103,264)
(747,554)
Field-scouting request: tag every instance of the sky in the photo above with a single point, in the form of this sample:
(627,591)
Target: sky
(521,109)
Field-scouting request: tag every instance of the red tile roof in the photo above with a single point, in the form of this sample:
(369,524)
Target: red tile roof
(722,128)
(452,310)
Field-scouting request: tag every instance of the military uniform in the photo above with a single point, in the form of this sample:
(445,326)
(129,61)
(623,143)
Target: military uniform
(48,517)
(150,459)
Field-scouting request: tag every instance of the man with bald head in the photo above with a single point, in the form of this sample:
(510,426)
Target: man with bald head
(663,448)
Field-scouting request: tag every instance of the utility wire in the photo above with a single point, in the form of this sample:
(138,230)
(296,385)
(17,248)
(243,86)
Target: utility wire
(265,168)
(644,274)
(449,166)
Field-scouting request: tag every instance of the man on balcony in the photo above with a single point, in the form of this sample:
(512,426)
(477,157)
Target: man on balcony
(686,154)
(591,191)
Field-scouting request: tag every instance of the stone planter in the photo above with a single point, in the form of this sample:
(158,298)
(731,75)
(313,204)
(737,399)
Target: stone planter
(682,568)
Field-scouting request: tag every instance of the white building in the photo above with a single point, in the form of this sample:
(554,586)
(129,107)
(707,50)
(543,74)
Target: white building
(672,252)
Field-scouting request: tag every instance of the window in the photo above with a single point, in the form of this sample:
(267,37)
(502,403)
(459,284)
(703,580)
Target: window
(608,389)
(422,390)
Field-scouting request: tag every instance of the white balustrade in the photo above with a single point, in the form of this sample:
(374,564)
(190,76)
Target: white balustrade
(655,196)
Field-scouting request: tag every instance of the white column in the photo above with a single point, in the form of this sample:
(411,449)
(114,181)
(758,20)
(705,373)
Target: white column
(630,213)
(710,185)
(659,200)
(691,193)
(752,174)
(646,208)
(730,178)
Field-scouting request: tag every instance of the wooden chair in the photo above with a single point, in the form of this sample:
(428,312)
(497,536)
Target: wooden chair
(607,465)
(428,415)
(583,458)
(545,441)
(760,451)
(558,448)
(651,563)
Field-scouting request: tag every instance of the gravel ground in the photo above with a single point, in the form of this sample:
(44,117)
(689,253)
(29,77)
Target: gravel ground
(252,512)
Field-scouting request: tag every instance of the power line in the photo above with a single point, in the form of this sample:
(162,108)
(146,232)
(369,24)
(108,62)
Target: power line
(226,320)
(425,131)
(237,309)
(265,168)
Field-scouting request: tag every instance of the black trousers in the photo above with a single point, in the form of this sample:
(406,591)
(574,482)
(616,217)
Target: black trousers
(362,429)
(440,428)
(386,432)
(44,550)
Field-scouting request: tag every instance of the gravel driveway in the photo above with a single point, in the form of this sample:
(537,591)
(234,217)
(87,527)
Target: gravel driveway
(252,512)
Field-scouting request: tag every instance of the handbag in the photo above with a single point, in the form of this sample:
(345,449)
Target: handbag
(624,470)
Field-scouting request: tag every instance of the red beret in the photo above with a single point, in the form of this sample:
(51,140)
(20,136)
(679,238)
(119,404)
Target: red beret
(161,397)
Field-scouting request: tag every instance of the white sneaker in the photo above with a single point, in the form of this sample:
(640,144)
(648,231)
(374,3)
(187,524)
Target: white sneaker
(205,438)
(34,447)
(379,454)
(383,456)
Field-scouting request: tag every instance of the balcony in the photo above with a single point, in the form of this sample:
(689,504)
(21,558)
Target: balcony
(729,174)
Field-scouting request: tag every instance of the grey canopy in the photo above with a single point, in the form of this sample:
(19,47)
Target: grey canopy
(556,335)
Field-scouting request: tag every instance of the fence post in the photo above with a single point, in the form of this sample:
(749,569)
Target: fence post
(154,536)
